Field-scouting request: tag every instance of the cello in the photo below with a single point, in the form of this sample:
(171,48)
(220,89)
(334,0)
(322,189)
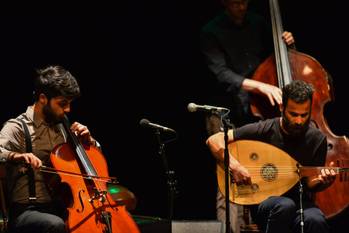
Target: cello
(279,70)
(90,206)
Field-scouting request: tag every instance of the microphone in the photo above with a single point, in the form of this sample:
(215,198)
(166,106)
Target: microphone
(206,108)
(147,123)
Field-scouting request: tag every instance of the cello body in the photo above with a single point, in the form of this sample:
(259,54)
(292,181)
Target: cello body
(90,207)
(304,67)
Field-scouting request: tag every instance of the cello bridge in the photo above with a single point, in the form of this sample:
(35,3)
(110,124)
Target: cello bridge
(98,195)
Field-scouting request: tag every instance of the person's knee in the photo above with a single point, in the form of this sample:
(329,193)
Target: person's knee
(315,218)
(315,221)
(278,206)
(286,206)
(275,214)
(56,225)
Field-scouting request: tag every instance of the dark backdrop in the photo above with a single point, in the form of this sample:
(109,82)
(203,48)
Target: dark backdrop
(141,60)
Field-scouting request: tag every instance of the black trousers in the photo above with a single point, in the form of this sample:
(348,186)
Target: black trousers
(38,218)
(281,215)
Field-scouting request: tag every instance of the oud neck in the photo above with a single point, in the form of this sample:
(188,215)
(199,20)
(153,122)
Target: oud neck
(280,48)
(311,171)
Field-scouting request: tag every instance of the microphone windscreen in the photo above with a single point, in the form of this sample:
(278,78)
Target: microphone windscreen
(144,122)
(191,107)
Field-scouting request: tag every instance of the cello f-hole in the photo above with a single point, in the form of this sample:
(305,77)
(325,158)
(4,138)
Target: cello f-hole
(81,202)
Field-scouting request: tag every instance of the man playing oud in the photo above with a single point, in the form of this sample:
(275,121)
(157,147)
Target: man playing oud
(292,133)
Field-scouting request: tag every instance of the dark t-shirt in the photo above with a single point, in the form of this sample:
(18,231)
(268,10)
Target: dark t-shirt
(309,149)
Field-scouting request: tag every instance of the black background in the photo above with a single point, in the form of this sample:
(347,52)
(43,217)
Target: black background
(140,59)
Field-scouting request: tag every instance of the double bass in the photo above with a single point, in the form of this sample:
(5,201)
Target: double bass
(279,70)
(90,206)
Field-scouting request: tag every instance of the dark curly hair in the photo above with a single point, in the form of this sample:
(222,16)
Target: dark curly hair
(298,91)
(55,81)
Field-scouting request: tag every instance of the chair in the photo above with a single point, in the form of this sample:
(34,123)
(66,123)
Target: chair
(248,226)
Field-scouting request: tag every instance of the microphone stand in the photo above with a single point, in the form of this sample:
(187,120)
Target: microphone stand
(226,124)
(301,210)
(170,174)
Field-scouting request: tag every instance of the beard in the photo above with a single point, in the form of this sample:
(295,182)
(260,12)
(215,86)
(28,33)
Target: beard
(294,130)
(50,117)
